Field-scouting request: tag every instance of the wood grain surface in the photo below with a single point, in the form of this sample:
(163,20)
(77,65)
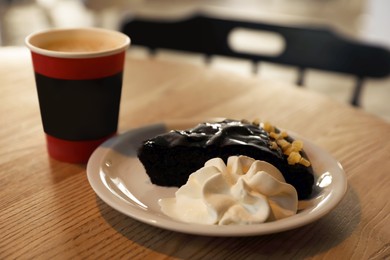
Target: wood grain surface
(49,211)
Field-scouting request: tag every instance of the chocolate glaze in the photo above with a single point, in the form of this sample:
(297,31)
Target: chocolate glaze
(171,157)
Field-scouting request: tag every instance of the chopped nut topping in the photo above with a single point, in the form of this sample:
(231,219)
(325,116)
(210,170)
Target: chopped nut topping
(268,127)
(291,150)
(283,143)
(294,158)
(304,162)
(297,145)
(273,145)
(274,135)
(256,122)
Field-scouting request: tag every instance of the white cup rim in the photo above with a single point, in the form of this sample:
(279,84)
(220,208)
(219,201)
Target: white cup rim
(32,42)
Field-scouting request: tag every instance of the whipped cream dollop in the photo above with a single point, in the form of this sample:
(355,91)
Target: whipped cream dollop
(243,191)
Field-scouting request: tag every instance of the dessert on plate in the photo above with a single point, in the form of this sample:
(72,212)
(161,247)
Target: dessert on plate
(170,158)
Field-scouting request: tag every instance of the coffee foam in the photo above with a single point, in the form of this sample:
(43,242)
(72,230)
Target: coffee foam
(79,45)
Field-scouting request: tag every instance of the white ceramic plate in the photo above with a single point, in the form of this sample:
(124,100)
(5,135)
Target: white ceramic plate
(119,179)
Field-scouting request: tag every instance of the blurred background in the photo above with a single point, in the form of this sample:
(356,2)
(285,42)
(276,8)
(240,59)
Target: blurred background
(365,20)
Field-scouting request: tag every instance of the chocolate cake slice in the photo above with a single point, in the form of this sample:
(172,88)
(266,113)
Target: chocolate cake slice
(170,158)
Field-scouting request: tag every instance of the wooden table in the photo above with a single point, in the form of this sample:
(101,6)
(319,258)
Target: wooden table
(49,211)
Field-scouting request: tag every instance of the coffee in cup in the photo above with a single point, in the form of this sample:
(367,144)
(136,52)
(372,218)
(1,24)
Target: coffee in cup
(78,74)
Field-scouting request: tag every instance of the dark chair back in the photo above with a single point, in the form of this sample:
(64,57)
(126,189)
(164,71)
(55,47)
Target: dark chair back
(309,47)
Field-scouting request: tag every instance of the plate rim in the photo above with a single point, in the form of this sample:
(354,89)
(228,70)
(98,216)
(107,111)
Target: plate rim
(95,181)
